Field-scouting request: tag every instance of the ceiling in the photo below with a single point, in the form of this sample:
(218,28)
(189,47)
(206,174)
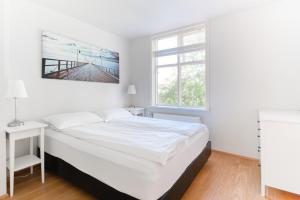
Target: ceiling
(137,18)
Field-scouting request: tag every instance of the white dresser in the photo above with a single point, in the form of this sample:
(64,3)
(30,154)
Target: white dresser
(279,133)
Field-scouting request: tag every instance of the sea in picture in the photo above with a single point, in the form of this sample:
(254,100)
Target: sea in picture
(68,59)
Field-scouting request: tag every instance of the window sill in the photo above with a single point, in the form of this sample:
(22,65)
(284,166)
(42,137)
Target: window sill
(177,110)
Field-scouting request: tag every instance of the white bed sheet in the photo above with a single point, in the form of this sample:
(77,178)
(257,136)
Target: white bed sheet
(161,125)
(153,145)
(137,177)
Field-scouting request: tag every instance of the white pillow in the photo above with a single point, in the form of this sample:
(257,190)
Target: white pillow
(115,113)
(67,120)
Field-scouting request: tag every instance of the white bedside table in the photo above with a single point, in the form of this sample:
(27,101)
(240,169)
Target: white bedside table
(137,111)
(29,130)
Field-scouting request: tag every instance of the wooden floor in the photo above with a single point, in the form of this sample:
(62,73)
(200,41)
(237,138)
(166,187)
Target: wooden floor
(224,177)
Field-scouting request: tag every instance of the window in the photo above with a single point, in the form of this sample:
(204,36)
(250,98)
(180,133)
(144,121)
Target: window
(179,60)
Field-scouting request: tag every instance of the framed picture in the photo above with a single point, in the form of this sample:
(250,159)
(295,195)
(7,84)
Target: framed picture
(67,59)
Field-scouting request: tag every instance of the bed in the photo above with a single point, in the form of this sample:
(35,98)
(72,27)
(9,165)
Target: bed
(111,167)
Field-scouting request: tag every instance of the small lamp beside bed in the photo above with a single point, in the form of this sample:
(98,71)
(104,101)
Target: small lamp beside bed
(131,91)
(16,90)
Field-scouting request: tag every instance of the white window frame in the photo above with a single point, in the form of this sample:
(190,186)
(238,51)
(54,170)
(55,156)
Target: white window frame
(207,74)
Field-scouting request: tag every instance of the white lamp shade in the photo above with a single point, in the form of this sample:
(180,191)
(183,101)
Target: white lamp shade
(16,89)
(131,89)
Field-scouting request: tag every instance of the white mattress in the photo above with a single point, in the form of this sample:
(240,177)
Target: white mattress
(137,177)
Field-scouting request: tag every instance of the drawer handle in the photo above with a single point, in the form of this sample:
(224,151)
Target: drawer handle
(258,148)
(258,136)
(259,129)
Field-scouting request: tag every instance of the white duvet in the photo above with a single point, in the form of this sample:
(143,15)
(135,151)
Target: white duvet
(150,139)
(145,123)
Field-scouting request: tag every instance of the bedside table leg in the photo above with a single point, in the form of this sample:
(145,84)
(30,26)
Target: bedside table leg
(11,166)
(42,155)
(31,153)
(263,190)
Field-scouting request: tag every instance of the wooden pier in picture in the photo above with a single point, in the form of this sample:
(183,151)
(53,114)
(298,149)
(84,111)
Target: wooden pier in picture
(72,70)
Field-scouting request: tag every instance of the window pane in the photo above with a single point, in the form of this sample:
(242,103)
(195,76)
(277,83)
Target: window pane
(192,56)
(193,85)
(167,43)
(167,60)
(167,85)
(194,38)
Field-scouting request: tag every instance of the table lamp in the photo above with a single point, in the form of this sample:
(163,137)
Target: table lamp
(16,90)
(131,91)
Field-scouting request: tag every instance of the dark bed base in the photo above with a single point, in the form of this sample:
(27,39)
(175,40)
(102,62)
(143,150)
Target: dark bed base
(105,192)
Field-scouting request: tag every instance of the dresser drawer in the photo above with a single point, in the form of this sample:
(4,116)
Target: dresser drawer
(280,151)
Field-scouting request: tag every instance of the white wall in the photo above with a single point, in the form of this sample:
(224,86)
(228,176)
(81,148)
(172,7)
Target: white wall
(51,96)
(254,62)
(26,21)
(2,134)
(141,70)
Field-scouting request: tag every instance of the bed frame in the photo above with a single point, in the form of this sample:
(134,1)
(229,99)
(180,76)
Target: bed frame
(103,191)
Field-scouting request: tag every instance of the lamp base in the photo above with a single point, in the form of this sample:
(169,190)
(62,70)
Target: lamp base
(15,123)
